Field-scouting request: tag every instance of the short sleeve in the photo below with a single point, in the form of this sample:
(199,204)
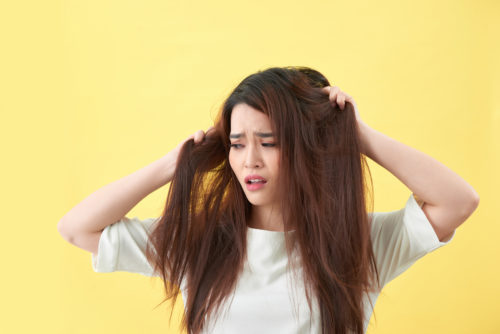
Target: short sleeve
(400,238)
(122,247)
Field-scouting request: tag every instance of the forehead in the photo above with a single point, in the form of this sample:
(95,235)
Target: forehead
(245,118)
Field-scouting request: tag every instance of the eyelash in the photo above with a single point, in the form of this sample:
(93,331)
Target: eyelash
(270,145)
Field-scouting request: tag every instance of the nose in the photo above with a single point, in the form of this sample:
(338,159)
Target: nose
(253,157)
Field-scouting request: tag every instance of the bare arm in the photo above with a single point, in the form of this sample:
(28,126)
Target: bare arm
(111,202)
(83,224)
(448,198)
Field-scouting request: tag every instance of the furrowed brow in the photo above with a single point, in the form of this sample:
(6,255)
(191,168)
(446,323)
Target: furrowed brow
(259,134)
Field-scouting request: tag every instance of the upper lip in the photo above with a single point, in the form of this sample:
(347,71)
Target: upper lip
(253,176)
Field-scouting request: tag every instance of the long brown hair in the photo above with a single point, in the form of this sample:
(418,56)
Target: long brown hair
(201,235)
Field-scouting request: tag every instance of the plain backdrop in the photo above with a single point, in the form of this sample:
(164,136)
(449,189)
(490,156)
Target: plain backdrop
(91,91)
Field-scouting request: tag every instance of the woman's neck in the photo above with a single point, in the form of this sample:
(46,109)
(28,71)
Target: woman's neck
(266,218)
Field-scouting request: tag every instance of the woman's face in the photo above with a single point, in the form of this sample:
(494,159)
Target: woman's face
(254,152)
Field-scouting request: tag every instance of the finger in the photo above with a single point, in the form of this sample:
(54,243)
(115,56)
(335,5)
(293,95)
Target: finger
(333,95)
(341,101)
(328,90)
(334,91)
(198,136)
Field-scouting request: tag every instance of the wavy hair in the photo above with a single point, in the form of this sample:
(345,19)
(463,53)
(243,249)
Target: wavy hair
(200,239)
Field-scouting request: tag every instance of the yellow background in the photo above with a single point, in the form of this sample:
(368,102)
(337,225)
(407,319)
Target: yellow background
(94,90)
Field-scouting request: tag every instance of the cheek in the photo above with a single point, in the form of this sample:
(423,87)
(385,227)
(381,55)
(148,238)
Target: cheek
(277,161)
(231,162)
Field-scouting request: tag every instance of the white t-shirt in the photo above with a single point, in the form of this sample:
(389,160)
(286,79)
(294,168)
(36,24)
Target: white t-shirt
(261,301)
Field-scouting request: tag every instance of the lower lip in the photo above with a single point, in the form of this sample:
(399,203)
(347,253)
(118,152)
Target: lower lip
(255,186)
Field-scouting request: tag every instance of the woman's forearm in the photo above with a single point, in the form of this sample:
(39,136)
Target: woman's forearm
(112,202)
(426,177)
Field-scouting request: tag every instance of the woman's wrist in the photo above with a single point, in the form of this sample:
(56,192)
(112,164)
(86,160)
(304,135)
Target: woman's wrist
(166,168)
(364,132)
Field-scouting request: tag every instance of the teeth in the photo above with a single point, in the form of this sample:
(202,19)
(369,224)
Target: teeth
(256,180)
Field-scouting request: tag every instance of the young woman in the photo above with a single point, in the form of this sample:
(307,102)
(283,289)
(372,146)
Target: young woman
(265,227)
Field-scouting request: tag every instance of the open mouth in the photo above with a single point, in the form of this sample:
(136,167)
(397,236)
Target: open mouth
(256,182)
(252,186)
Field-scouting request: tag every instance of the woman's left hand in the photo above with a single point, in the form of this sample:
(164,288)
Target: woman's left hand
(338,97)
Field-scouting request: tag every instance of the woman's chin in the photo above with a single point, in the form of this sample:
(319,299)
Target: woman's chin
(256,201)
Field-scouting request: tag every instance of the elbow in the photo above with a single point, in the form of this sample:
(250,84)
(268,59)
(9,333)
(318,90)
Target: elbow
(472,204)
(63,231)
(474,200)
(60,228)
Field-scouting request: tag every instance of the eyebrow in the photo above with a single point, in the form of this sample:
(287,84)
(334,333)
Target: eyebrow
(260,134)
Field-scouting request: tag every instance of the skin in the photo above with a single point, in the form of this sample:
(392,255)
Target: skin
(251,154)
(445,198)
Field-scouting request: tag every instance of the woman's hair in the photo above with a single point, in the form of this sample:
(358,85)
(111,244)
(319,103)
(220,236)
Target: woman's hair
(201,235)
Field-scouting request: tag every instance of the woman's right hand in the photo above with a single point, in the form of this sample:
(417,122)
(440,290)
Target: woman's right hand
(198,137)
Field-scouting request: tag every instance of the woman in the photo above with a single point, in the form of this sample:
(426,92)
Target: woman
(267,211)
